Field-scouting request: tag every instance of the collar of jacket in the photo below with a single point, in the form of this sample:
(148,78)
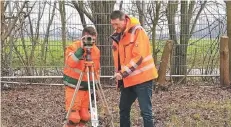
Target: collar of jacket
(131,22)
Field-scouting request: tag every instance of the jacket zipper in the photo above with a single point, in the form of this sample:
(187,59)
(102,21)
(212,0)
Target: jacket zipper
(124,52)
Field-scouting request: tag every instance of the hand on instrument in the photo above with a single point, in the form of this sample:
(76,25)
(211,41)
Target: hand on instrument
(118,76)
(79,53)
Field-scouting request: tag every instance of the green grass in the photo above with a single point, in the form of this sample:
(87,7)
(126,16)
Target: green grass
(197,54)
(53,52)
(208,114)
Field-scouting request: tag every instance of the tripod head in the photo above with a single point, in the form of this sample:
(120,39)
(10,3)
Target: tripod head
(88,42)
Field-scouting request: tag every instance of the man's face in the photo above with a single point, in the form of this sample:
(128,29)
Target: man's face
(118,25)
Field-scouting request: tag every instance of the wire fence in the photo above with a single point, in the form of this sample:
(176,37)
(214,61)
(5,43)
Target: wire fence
(35,47)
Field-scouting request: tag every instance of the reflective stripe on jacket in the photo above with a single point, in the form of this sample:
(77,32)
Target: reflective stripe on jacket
(74,66)
(137,64)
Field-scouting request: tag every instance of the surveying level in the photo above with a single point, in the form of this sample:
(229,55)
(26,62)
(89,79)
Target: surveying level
(89,70)
(88,41)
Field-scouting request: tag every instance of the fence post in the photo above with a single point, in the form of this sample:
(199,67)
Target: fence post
(224,61)
(164,62)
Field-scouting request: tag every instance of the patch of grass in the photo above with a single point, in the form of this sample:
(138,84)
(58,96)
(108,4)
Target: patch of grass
(53,55)
(201,114)
(199,53)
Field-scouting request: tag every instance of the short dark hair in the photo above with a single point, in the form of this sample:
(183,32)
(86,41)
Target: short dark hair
(117,14)
(89,29)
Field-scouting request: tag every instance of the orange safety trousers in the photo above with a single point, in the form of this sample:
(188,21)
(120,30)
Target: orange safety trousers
(80,108)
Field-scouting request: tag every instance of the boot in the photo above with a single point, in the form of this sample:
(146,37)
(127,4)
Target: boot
(74,119)
(81,125)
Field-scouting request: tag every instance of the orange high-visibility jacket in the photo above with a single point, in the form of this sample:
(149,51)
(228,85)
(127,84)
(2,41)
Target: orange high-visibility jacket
(74,66)
(133,48)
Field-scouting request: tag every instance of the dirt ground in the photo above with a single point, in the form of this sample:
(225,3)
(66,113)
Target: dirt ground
(43,106)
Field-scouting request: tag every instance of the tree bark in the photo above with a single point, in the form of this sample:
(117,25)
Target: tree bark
(171,14)
(99,15)
(102,11)
(141,8)
(179,62)
(62,11)
(45,41)
(81,14)
(156,13)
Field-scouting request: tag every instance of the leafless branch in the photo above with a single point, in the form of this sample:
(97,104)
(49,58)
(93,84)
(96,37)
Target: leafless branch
(12,25)
(81,14)
(82,9)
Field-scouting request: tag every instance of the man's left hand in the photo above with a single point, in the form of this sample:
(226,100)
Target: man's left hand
(118,76)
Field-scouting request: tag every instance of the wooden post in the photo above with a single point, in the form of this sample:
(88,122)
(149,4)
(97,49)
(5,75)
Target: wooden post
(164,62)
(224,61)
(228,10)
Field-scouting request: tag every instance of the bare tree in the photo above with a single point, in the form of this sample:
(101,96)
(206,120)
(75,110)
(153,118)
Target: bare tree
(149,15)
(156,5)
(81,14)
(98,12)
(11,23)
(141,8)
(44,46)
(62,11)
(187,25)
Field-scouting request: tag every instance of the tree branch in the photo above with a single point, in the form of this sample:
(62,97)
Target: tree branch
(83,10)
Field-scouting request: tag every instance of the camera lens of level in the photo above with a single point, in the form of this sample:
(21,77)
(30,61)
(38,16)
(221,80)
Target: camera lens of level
(88,38)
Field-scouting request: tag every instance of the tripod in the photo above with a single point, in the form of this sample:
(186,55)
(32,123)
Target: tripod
(89,70)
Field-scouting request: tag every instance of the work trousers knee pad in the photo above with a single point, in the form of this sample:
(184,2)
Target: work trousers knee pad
(84,114)
(74,117)
(80,96)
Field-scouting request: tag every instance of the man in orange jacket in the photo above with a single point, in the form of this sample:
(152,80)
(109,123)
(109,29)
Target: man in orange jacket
(74,65)
(134,67)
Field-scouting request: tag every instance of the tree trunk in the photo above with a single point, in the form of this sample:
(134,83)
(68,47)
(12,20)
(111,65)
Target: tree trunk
(101,13)
(45,42)
(141,8)
(156,13)
(62,11)
(81,14)
(179,62)
(184,33)
(2,18)
(171,14)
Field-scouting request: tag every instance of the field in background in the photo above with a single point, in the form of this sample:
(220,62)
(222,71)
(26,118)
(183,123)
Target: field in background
(198,52)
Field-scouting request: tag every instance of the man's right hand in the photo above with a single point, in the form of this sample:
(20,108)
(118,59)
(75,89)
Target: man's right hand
(79,53)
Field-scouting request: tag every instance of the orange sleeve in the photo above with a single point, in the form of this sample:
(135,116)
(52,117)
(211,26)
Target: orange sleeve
(97,66)
(138,52)
(71,60)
